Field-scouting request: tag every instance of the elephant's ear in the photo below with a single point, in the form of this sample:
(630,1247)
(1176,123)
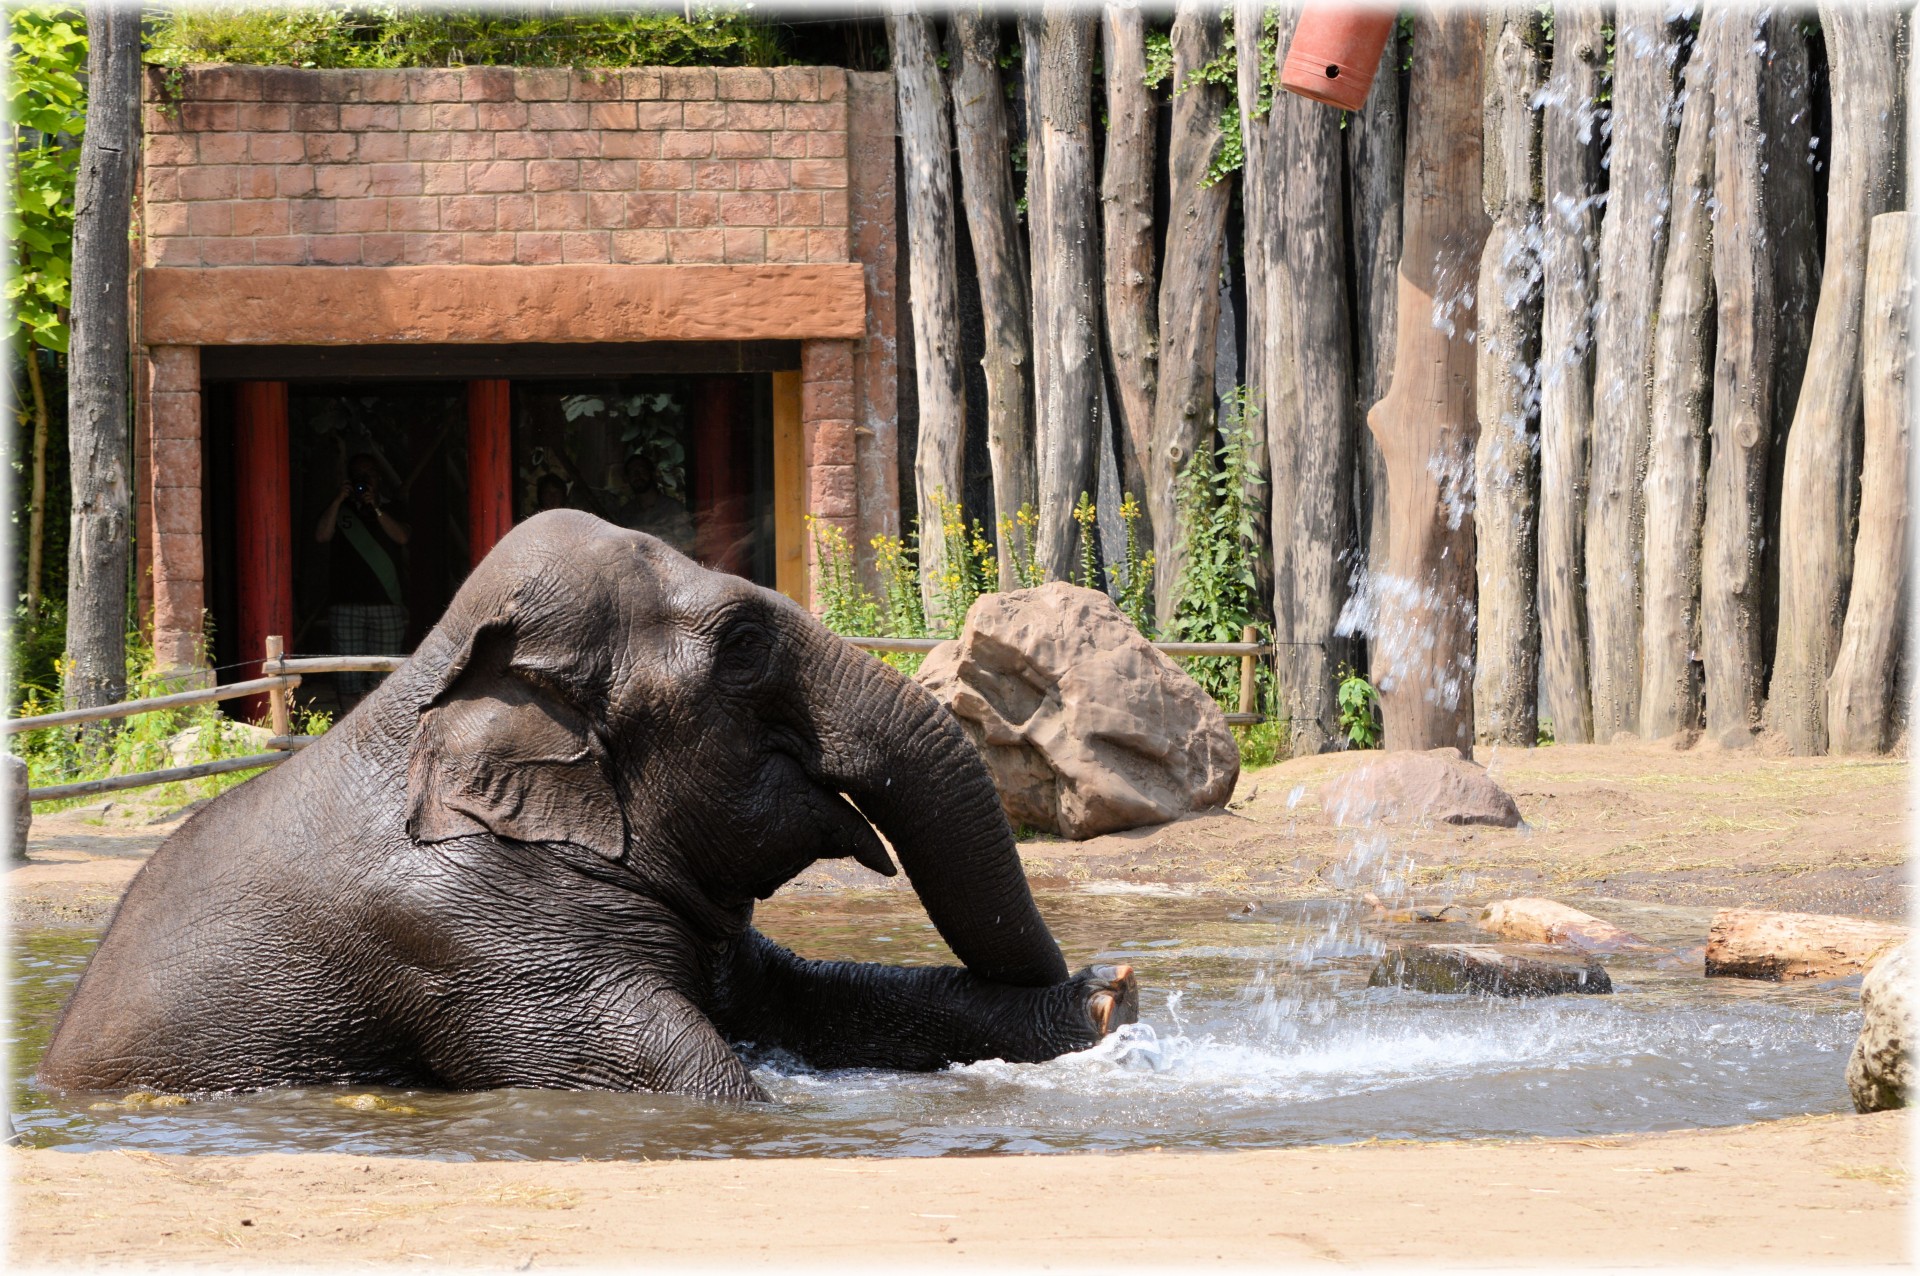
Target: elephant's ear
(498,754)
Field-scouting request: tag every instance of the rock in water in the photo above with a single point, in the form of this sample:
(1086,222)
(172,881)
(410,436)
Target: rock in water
(1880,1068)
(1085,727)
(1505,970)
(13,779)
(1437,787)
(1546,921)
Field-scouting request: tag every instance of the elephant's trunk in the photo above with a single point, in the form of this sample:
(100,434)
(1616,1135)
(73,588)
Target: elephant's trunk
(903,759)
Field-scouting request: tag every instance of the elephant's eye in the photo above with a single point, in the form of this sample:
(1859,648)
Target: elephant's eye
(744,654)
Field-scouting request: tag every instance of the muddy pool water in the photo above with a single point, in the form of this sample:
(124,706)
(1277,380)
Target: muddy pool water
(1257,1029)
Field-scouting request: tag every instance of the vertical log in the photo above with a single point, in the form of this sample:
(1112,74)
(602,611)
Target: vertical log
(1423,640)
(1821,470)
(926,145)
(1376,145)
(37,489)
(1256,67)
(1765,271)
(99,377)
(1506,672)
(1670,690)
(1132,272)
(1189,288)
(986,183)
(1633,248)
(1064,238)
(1572,144)
(1310,414)
(1867,672)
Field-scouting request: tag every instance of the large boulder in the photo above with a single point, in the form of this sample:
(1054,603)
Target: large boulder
(1408,787)
(1086,728)
(1881,1066)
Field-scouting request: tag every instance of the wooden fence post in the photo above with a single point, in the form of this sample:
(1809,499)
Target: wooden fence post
(1249,673)
(277,698)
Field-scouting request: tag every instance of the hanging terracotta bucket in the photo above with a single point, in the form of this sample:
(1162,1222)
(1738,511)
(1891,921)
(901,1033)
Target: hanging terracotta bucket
(1335,51)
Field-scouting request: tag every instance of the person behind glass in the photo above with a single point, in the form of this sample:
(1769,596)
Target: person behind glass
(367,610)
(649,508)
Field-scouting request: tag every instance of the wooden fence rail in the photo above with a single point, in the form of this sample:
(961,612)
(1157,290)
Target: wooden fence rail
(283,674)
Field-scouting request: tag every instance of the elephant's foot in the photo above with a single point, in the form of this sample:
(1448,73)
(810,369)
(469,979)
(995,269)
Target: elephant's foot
(1112,997)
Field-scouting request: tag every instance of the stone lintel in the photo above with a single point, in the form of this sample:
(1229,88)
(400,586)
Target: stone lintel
(356,305)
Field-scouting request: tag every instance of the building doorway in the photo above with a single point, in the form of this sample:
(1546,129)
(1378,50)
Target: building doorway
(355,507)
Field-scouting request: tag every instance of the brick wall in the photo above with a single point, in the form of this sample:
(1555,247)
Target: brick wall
(489,166)
(495,166)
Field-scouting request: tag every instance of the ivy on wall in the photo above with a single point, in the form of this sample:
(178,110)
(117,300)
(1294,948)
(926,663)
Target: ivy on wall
(371,36)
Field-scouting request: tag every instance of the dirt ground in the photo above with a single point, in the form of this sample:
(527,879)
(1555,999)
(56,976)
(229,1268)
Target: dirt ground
(1701,827)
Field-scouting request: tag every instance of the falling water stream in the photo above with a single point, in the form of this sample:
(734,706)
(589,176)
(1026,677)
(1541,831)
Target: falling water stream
(1257,1029)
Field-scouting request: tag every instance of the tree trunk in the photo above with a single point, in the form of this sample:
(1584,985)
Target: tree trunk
(1132,274)
(926,146)
(1506,675)
(1376,146)
(1310,415)
(1064,239)
(1633,249)
(1764,271)
(1821,473)
(1426,428)
(1670,691)
(986,183)
(1189,290)
(1571,147)
(1255,49)
(37,510)
(1750,944)
(98,373)
(1869,668)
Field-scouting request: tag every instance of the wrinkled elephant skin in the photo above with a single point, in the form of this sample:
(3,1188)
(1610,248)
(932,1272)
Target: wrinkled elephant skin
(531,859)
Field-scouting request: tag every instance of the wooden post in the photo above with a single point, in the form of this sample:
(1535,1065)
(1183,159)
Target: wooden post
(1820,472)
(926,148)
(489,465)
(264,524)
(1249,673)
(1426,425)
(1189,292)
(277,698)
(1860,694)
(790,555)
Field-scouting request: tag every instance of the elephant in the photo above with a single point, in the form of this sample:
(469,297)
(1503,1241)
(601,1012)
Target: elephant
(531,858)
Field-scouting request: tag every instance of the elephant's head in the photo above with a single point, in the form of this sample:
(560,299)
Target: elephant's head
(704,738)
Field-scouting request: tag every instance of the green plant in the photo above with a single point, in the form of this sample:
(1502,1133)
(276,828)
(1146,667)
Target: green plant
(1262,743)
(1018,532)
(144,742)
(1359,706)
(419,35)
(847,606)
(1136,588)
(1088,517)
(1215,599)
(1223,70)
(47,111)
(968,568)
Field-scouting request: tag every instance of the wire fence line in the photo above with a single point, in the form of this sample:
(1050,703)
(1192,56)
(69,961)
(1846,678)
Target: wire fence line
(284,673)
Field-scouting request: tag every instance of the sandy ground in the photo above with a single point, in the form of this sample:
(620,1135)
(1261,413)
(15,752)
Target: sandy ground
(1824,1191)
(1701,828)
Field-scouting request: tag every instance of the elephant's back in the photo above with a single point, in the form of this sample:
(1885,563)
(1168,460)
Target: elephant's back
(222,961)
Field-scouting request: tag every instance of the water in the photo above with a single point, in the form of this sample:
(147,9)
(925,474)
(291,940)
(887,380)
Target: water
(1257,1030)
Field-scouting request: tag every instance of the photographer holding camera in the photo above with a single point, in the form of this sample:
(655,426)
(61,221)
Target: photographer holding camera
(368,614)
